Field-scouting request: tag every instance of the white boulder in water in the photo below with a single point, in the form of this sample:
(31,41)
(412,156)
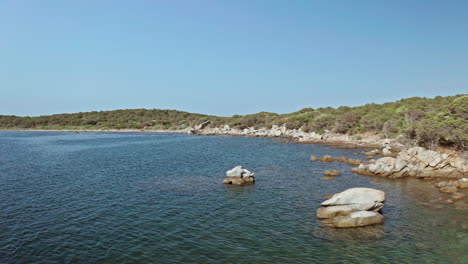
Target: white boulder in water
(239,176)
(353,207)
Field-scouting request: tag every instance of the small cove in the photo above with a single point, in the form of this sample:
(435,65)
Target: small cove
(159,198)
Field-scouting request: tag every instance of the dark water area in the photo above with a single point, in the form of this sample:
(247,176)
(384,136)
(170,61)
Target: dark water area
(159,198)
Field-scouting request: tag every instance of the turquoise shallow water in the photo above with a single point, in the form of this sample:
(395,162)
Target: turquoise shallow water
(159,198)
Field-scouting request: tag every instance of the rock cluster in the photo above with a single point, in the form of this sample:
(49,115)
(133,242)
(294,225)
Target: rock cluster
(239,176)
(282,131)
(452,186)
(353,207)
(417,162)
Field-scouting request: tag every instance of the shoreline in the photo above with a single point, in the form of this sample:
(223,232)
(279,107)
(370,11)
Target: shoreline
(443,181)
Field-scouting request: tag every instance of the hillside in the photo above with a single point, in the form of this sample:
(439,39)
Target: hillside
(428,121)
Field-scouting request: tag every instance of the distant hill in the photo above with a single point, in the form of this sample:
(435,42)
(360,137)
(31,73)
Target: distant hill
(429,121)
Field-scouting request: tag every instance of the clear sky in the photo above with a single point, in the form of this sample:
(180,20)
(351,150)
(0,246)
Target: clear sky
(227,57)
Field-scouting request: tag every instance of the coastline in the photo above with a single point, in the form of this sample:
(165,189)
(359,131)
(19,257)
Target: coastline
(441,169)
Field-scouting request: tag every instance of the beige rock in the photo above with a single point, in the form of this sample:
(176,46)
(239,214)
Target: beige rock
(332,173)
(332,211)
(356,195)
(327,158)
(239,176)
(313,158)
(448,189)
(463,183)
(355,219)
(458,196)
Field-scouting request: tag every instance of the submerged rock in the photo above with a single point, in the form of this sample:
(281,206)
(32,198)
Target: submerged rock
(239,176)
(355,219)
(327,158)
(332,173)
(353,207)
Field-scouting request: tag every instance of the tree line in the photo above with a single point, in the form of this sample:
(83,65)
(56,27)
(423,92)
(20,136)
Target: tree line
(430,122)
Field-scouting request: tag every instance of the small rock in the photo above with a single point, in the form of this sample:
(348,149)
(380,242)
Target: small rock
(239,176)
(463,183)
(327,158)
(313,158)
(448,189)
(458,196)
(328,178)
(332,173)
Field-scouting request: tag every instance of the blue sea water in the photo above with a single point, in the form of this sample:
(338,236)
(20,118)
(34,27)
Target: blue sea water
(159,198)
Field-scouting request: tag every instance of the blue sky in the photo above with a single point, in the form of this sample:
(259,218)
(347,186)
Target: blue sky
(227,57)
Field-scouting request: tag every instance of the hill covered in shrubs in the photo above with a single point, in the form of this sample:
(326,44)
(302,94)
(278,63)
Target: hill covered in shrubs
(428,121)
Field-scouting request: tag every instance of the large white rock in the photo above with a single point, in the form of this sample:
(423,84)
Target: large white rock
(356,196)
(332,211)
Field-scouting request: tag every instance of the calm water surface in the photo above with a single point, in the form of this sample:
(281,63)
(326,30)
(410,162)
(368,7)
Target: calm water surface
(159,198)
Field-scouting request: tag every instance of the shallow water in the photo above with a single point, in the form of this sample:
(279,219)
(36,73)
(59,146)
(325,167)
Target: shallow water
(159,198)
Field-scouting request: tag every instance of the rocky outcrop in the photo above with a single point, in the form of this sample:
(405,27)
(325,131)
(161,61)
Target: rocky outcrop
(202,125)
(297,134)
(332,173)
(417,162)
(353,207)
(239,176)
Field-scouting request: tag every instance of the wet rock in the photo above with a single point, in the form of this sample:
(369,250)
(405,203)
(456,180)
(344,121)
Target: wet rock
(353,207)
(355,219)
(327,158)
(239,176)
(458,196)
(448,189)
(332,173)
(313,158)
(339,210)
(371,152)
(463,183)
(328,178)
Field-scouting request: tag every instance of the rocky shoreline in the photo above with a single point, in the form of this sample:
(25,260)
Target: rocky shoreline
(397,161)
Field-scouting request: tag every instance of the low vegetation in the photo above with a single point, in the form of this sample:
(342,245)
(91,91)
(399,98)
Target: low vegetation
(428,121)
